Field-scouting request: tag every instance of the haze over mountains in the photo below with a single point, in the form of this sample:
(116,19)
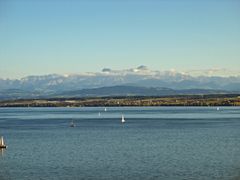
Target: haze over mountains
(136,81)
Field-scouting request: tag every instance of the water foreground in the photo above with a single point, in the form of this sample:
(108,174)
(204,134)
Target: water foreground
(154,143)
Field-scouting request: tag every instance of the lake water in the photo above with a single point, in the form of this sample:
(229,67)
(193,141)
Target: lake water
(154,143)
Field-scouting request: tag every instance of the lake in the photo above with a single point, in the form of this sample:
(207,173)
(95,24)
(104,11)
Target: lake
(154,143)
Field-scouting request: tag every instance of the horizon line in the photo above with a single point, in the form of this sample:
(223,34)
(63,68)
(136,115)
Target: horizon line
(142,70)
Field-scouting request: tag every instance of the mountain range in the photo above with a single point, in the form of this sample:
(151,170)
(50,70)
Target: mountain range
(136,81)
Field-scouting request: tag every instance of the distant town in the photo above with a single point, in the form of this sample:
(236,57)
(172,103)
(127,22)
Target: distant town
(185,100)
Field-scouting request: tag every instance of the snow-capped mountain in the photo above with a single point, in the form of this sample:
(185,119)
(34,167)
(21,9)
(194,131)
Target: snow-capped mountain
(140,77)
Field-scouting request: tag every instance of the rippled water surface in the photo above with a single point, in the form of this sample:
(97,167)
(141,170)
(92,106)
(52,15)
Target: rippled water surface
(154,143)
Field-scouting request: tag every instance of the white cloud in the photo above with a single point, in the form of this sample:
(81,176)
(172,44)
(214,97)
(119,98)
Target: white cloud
(223,72)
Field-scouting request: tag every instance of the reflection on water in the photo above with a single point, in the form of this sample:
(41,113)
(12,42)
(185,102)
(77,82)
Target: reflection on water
(1,152)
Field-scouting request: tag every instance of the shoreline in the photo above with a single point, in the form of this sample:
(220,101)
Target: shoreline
(131,101)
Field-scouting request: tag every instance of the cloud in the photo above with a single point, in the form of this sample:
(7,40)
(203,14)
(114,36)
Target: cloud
(106,70)
(214,72)
(142,68)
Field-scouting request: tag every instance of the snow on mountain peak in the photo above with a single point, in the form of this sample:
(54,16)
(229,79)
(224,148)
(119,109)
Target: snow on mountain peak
(141,76)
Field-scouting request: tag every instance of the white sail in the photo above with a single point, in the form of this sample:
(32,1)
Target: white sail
(2,145)
(123,120)
(1,141)
(105,109)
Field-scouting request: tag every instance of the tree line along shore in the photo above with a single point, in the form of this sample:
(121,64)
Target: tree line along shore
(190,100)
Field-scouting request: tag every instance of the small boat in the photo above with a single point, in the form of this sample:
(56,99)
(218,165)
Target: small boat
(105,109)
(72,124)
(99,114)
(123,120)
(2,145)
(218,108)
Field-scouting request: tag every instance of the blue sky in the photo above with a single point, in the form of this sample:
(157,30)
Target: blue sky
(54,36)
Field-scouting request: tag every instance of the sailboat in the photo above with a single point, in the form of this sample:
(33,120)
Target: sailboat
(123,120)
(105,109)
(72,124)
(2,145)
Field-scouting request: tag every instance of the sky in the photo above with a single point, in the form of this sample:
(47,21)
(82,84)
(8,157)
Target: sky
(57,36)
